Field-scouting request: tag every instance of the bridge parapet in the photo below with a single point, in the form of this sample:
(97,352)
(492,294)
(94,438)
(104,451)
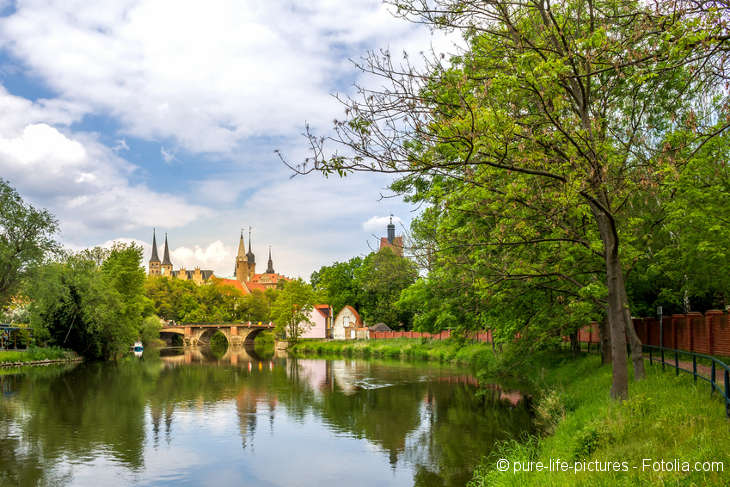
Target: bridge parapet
(237,333)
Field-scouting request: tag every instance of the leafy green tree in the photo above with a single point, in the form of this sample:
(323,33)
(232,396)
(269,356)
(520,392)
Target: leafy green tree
(292,309)
(26,237)
(381,278)
(686,239)
(338,283)
(91,305)
(558,113)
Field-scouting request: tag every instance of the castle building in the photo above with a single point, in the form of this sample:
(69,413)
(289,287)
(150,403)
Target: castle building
(164,268)
(391,241)
(244,269)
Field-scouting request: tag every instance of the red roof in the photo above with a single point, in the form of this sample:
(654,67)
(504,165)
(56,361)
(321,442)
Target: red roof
(358,320)
(234,283)
(324,309)
(273,277)
(253,285)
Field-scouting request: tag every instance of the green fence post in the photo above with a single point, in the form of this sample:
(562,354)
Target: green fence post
(727,393)
(694,367)
(712,378)
(662,358)
(676,363)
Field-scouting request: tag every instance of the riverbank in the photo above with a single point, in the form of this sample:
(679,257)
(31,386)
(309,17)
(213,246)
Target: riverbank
(36,356)
(667,418)
(478,355)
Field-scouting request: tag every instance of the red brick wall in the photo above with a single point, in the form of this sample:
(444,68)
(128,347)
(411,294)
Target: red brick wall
(708,333)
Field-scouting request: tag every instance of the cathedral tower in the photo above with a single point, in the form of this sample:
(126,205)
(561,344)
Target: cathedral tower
(154,260)
(241,269)
(166,263)
(270,267)
(251,258)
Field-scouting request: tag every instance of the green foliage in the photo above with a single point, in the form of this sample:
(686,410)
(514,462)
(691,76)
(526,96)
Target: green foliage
(91,302)
(339,285)
(33,354)
(26,237)
(184,301)
(149,332)
(381,279)
(292,309)
(540,154)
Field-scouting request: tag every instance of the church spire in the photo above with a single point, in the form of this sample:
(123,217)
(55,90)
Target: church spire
(270,268)
(154,257)
(391,230)
(241,249)
(249,255)
(166,256)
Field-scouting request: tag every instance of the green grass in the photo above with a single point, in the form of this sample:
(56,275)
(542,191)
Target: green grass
(665,418)
(477,355)
(33,354)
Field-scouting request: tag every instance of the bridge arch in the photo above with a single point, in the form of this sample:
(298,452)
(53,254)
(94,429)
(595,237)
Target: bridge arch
(200,333)
(203,336)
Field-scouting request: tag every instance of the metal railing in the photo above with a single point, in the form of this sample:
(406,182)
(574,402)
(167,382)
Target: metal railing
(715,364)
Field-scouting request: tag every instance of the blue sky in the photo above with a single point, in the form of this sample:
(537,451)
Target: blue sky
(123,115)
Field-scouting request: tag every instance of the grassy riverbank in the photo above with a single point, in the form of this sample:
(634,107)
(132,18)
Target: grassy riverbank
(666,418)
(478,355)
(35,354)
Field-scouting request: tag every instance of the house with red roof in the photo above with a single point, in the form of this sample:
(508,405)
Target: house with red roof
(346,324)
(320,322)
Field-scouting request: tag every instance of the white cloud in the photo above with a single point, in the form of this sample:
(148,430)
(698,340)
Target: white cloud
(208,76)
(121,145)
(167,155)
(81,181)
(216,256)
(378,224)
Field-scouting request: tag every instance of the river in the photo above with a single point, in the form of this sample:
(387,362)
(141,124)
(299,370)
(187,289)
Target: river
(192,418)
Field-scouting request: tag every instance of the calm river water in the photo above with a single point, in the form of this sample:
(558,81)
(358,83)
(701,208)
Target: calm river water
(187,418)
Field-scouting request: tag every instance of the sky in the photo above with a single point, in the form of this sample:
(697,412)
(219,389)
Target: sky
(122,116)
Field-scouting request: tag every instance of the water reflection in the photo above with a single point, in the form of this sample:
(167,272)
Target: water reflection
(236,419)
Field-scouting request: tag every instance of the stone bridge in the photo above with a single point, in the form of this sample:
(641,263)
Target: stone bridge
(194,334)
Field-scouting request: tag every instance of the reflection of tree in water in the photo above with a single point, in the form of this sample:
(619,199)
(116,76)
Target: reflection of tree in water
(458,428)
(414,414)
(433,420)
(69,414)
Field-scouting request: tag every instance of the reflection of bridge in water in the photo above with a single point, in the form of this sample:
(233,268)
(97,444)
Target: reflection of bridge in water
(234,355)
(194,334)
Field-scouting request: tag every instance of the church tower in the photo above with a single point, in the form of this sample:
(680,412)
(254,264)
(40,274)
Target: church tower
(270,267)
(251,258)
(166,263)
(241,270)
(154,260)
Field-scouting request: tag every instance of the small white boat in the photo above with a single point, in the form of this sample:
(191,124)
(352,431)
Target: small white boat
(137,347)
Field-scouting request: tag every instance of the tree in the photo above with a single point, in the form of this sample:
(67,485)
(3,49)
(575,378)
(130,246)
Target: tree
(90,302)
(554,111)
(338,283)
(26,237)
(292,309)
(381,278)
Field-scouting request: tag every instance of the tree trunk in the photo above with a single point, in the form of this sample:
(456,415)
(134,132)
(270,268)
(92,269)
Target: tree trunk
(616,315)
(574,345)
(605,341)
(637,354)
